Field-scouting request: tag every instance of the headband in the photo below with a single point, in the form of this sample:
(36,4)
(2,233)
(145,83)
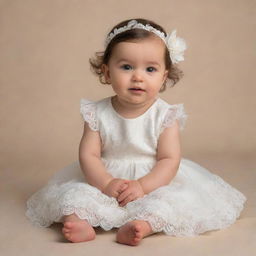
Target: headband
(175,45)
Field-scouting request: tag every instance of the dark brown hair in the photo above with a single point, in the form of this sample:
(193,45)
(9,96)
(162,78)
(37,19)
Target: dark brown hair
(174,73)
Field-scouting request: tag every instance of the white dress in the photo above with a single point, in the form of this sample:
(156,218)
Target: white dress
(195,201)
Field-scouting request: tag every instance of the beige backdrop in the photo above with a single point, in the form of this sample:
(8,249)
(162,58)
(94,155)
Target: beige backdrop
(45,46)
(44,72)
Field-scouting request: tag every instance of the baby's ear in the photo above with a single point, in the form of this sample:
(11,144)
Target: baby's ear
(105,71)
(165,75)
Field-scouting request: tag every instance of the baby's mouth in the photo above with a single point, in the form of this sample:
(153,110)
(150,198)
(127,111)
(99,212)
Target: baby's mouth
(136,89)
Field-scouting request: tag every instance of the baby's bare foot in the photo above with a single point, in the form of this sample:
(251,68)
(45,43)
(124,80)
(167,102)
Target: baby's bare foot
(78,231)
(133,232)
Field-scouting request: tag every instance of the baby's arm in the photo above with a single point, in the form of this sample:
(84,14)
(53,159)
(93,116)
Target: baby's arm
(168,160)
(93,167)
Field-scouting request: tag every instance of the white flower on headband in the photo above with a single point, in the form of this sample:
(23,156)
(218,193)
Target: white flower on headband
(175,45)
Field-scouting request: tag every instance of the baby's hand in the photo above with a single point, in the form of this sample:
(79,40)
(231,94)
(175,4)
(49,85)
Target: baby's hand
(115,187)
(133,192)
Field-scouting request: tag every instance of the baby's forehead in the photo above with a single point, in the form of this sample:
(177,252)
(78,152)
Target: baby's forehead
(151,40)
(153,48)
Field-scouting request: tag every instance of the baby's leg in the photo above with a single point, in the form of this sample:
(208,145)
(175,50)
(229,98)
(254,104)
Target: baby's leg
(77,230)
(133,232)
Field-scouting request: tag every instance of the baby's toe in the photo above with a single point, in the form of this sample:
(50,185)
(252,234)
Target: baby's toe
(65,230)
(68,225)
(137,229)
(138,235)
(136,240)
(67,235)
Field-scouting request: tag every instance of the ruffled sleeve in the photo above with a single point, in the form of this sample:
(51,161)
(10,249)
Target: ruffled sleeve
(175,112)
(88,111)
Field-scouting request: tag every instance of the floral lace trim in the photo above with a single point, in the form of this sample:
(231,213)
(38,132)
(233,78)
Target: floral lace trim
(175,112)
(88,111)
(94,215)
(99,217)
(162,208)
(51,203)
(152,208)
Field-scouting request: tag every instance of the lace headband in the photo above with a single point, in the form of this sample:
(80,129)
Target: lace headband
(175,45)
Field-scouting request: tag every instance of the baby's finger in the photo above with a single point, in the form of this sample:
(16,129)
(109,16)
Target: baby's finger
(115,194)
(123,187)
(126,200)
(123,195)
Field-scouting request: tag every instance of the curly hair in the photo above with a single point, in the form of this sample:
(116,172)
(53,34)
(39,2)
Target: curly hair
(103,57)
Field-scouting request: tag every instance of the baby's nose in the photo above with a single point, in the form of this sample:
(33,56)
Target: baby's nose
(137,76)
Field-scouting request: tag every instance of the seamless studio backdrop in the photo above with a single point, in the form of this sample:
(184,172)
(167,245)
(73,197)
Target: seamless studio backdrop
(44,72)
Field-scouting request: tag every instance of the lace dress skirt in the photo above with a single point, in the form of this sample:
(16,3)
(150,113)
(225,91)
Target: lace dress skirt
(194,202)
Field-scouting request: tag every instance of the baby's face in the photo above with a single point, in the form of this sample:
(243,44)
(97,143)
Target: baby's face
(136,70)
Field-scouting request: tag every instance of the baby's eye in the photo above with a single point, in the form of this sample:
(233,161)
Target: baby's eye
(151,69)
(126,67)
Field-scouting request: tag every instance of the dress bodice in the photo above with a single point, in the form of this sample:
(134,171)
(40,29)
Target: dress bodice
(132,139)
